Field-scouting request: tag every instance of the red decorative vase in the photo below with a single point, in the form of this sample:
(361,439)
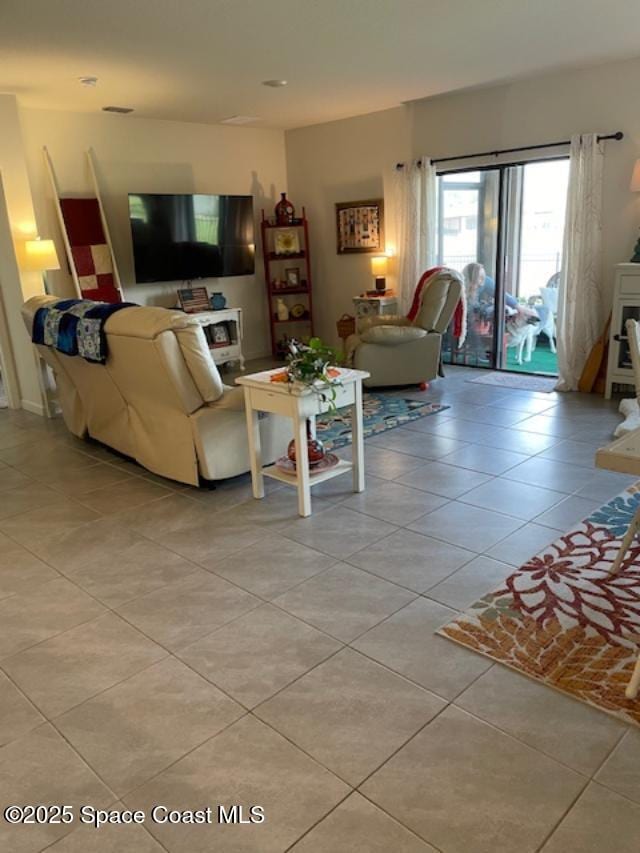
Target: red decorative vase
(315,449)
(284,211)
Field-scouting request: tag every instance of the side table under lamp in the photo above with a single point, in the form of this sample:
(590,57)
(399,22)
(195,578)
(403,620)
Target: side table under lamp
(41,256)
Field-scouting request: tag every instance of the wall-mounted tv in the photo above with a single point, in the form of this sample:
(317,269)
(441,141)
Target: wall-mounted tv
(182,237)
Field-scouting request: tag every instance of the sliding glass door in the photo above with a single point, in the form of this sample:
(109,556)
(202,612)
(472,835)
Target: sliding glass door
(502,229)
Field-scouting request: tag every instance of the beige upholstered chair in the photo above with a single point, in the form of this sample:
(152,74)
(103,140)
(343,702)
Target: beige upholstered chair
(406,350)
(159,398)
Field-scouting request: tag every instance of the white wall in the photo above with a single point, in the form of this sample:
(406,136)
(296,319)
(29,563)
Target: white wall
(143,155)
(351,159)
(17,223)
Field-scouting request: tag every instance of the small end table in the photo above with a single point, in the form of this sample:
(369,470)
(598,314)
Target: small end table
(301,404)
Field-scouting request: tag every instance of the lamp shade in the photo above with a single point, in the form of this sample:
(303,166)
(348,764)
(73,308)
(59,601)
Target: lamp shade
(379,266)
(635,178)
(40,255)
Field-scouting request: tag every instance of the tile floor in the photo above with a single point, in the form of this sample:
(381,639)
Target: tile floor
(160,644)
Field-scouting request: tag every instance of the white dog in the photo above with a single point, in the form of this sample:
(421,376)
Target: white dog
(522,327)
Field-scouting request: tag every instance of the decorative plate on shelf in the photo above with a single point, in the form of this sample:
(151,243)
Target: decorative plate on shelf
(297,311)
(286,242)
(327,462)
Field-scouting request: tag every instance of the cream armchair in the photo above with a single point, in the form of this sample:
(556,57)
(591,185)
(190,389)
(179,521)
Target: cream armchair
(399,350)
(159,398)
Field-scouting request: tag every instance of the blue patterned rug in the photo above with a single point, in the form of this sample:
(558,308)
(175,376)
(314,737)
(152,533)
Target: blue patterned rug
(381,413)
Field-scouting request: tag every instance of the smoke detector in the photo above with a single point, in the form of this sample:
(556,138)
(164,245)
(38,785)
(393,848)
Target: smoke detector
(121,110)
(88,81)
(274,84)
(240,120)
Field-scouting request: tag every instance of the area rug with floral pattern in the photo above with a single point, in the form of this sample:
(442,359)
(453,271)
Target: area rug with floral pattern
(563,619)
(381,412)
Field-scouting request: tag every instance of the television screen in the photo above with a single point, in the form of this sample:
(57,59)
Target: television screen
(182,237)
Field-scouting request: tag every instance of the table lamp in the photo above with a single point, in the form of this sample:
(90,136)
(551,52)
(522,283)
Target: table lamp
(379,267)
(40,256)
(634,186)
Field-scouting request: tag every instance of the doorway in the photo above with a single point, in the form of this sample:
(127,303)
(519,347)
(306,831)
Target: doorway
(502,228)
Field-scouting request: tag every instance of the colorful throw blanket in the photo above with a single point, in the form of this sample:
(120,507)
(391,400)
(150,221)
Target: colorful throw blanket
(76,327)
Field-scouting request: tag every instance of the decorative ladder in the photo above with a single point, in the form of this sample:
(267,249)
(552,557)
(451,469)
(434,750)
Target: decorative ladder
(86,238)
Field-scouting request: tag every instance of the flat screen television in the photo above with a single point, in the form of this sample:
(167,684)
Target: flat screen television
(182,237)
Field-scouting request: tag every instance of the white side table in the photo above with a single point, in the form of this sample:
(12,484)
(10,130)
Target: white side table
(373,306)
(233,319)
(301,404)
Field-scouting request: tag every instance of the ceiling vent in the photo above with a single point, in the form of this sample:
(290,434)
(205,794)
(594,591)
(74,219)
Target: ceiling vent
(239,120)
(121,110)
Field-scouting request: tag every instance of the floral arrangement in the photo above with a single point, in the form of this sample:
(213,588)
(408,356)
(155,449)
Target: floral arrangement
(311,365)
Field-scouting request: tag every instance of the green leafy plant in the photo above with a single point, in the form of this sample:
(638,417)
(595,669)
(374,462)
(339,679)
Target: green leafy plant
(309,365)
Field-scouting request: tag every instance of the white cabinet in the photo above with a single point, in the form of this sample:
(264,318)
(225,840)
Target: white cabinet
(626,306)
(224,334)
(373,306)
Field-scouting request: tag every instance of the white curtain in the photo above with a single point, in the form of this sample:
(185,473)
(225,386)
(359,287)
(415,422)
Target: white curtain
(416,192)
(580,314)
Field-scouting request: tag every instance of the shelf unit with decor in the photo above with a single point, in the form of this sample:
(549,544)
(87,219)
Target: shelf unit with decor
(276,263)
(626,306)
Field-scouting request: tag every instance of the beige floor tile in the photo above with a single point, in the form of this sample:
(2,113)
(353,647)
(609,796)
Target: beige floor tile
(412,560)
(464,587)
(340,488)
(36,526)
(350,713)
(110,838)
(574,452)
(182,612)
(31,496)
(258,654)
(421,444)
(518,499)
(344,601)
(462,785)
(47,610)
(165,517)
(407,643)
(20,571)
(47,454)
(604,485)
(11,478)
(212,534)
(129,494)
(385,464)
(478,458)
(130,572)
(522,545)
(17,714)
(271,566)
(466,526)
(550,474)
(568,512)
(79,481)
(621,771)
(394,503)
(70,668)
(358,825)
(134,730)
(248,764)
(600,822)
(41,768)
(275,511)
(338,531)
(445,480)
(563,728)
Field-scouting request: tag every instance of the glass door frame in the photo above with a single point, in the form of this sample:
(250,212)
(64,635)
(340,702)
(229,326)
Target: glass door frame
(499,352)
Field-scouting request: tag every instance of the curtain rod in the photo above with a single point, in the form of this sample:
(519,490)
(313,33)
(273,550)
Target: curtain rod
(617,135)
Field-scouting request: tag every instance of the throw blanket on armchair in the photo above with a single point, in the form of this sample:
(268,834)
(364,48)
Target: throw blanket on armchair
(76,327)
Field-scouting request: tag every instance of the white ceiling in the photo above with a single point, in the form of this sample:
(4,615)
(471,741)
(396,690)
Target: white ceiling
(204,60)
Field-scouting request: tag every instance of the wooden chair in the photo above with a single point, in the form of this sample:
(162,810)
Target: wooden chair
(633,336)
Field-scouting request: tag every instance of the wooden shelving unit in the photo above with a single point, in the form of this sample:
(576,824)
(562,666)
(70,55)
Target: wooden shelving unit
(274,271)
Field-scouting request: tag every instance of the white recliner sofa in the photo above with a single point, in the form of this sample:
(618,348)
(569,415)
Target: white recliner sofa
(159,398)
(397,350)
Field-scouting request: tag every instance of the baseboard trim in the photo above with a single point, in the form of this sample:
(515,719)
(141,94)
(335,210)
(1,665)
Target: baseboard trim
(34,408)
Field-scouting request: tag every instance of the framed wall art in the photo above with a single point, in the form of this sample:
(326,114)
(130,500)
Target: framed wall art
(360,226)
